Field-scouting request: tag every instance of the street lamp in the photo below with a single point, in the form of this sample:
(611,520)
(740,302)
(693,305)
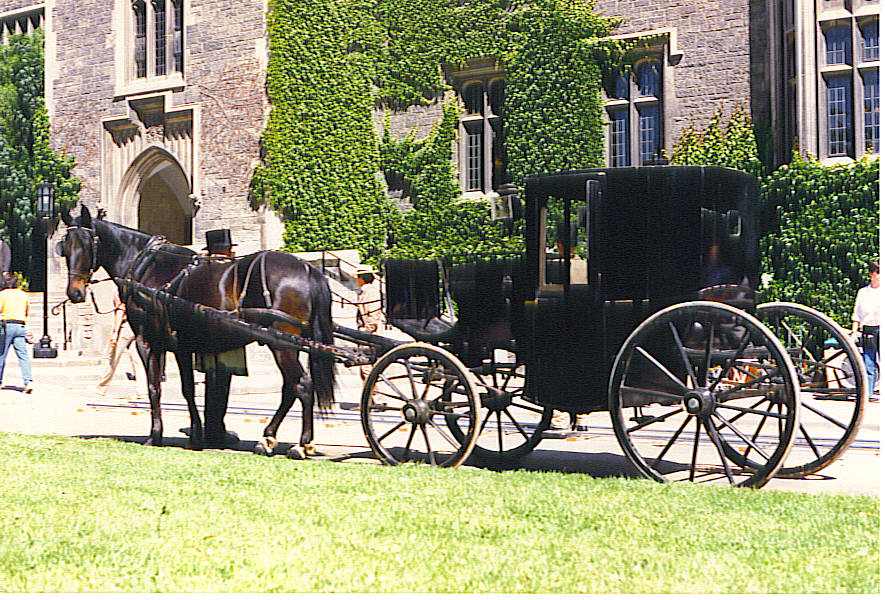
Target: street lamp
(45,213)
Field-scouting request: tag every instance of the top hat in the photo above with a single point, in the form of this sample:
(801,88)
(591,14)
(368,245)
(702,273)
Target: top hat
(363,269)
(218,239)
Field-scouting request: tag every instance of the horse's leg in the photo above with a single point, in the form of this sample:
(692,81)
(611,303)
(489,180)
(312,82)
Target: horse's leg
(153,379)
(304,391)
(290,368)
(217,393)
(185,362)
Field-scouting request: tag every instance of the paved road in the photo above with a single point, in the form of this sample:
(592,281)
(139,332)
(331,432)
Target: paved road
(64,402)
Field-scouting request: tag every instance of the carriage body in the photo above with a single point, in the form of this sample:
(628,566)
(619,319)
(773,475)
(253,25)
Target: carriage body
(647,238)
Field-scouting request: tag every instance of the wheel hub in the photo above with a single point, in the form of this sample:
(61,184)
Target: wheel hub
(416,411)
(699,402)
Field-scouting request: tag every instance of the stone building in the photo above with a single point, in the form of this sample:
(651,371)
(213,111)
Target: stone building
(162,102)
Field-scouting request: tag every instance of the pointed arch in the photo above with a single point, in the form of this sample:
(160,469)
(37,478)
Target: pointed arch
(155,196)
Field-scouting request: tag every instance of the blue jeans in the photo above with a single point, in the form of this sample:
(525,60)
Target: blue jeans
(15,337)
(871,362)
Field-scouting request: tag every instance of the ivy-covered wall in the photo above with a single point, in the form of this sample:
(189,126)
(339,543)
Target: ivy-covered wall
(333,62)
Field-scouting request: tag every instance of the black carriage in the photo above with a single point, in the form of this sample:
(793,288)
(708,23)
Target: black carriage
(636,295)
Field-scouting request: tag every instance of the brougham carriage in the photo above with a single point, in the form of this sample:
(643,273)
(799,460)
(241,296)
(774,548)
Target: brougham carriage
(636,296)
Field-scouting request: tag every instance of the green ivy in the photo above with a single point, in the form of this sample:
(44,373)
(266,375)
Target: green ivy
(26,158)
(821,229)
(333,61)
(729,144)
(820,224)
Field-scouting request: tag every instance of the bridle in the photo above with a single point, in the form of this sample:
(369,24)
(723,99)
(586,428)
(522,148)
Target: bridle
(93,247)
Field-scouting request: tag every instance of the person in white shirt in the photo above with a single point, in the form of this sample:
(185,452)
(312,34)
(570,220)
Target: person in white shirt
(866,320)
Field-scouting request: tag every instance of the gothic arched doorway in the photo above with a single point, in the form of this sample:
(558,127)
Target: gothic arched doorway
(158,190)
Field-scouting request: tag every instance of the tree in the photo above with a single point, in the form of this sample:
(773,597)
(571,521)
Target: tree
(26,158)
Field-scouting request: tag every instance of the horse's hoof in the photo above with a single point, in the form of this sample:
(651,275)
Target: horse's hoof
(296,453)
(311,450)
(265,447)
(261,450)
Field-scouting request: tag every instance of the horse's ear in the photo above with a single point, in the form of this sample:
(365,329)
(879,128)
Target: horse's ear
(66,218)
(85,217)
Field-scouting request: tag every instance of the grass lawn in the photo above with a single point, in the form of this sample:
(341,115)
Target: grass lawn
(99,515)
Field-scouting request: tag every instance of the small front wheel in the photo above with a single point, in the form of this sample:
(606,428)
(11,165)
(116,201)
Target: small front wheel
(704,392)
(408,398)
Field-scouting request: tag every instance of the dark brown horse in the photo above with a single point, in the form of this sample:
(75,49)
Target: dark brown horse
(286,293)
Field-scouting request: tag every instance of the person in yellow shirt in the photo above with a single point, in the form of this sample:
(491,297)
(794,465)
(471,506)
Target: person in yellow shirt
(13,314)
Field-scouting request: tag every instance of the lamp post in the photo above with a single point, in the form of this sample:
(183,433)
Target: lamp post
(45,213)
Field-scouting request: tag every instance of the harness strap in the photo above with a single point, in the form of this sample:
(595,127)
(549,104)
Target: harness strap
(262,258)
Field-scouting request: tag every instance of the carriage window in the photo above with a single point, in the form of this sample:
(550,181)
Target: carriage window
(565,242)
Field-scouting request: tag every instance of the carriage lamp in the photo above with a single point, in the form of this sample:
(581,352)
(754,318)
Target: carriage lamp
(45,213)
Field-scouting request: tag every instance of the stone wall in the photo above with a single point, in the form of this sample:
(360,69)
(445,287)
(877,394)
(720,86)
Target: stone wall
(224,76)
(225,59)
(715,71)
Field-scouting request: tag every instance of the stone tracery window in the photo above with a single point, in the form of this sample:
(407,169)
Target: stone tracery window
(481,157)
(634,107)
(158,38)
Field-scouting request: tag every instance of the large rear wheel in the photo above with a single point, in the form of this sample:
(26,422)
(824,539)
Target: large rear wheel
(408,398)
(697,380)
(831,380)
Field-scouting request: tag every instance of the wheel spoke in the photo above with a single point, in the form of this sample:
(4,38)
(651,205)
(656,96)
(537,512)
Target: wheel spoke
(484,421)
(517,424)
(685,362)
(717,443)
(708,357)
(810,441)
(824,415)
(673,398)
(430,453)
(745,410)
(658,419)
(673,439)
(747,441)
(745,340)
(661,368)
(694,451)
(742,386)
(407,449)
(444,434)
(391,430)
(402,396)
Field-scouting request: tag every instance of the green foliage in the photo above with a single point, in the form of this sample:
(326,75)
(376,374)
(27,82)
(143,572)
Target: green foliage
(820,224)
(440,224)
(730,145)
(333,61)
(26,158)
(321,154)
(821,230)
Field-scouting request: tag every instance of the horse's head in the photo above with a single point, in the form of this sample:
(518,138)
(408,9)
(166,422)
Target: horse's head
(80,249)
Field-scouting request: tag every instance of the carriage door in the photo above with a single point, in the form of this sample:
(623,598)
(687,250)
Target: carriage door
(567,320)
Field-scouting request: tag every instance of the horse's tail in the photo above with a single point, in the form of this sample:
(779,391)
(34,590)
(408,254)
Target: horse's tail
(322,366)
